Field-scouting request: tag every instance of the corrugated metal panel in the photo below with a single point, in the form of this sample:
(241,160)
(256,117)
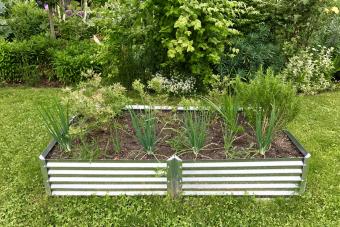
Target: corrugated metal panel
(108,179)
(104,193)
(241,193)
(109,186)
(105,165)
(242,164)
(238,186)
(242,171)
(103,172)
(243,179)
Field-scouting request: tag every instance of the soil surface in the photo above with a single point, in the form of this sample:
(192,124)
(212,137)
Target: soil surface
(98,142)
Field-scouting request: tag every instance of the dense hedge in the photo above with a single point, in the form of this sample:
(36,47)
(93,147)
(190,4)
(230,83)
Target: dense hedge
(20,60)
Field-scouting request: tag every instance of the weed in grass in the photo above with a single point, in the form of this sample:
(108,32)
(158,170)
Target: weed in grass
(56,119)
(195,128)
(145,129)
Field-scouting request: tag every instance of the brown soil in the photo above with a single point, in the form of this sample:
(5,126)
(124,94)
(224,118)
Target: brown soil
(170,141)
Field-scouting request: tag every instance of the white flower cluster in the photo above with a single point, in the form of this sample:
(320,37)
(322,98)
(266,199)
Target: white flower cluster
(310,70)
(175,85)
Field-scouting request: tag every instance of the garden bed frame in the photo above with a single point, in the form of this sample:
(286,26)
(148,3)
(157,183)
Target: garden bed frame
(174,177)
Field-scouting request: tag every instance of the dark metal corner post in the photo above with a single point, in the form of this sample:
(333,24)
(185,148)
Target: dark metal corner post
(304,173)
(43,167)
(174,176)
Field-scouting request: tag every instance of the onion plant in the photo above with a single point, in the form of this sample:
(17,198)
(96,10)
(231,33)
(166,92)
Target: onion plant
(145,129)
(228,109)
(56,120)
(195,129)
(264,129)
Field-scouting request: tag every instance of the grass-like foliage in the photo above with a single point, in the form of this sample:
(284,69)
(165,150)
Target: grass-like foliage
(263,92)
(145,129)
(264,129)
(195,129)
(228,108)
(56,119)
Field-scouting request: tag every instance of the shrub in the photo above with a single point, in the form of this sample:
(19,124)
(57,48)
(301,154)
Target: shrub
(75,58)
(255,48)
(310,71)
(94,101)
(265,91)
(74,28)
(22,60)
(194,33)
(27,20)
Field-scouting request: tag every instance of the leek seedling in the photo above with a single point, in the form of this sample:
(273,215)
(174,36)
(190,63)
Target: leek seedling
(56,120)
(145,129)
(228,109)
(264,129)
(195,128)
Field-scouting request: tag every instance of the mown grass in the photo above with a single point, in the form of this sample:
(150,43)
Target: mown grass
(23,201)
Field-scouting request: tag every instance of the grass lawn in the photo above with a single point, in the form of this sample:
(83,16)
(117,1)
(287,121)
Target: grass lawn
(23,200)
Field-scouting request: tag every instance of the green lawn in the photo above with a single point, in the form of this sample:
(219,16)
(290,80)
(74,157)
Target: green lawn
(23,200)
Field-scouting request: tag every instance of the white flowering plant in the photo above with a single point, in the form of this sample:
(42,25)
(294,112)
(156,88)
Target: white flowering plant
(310,70)
(174,85)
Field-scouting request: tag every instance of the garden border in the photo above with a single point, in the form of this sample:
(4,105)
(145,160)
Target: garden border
(175,177)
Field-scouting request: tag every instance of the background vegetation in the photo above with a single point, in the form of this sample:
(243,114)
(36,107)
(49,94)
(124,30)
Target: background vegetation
(126,40)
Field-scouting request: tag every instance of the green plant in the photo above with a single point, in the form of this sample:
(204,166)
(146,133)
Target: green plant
(194,33)
(27,20)
(93,100)
(89,150)
(310,70)
(195,128)
(75,58)
(21,60)
(265,129)
(116,139)
(228,108)
(265,91)
(74,28)
(56,120)
(145,129)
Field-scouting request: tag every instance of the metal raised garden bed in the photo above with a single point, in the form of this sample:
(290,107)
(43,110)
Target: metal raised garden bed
(259,177)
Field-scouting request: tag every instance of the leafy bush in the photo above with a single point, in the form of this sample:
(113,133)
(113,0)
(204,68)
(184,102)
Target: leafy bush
(310,70)
(74,28)
(264,92)
(194,33)
(75,58)
(94,101)
(27,20)
(254,49)
(21,60)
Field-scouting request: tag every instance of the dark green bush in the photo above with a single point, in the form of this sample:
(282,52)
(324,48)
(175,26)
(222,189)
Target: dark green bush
(75,58)
(73,28)
(27,20)
(255,49)
(23,60)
